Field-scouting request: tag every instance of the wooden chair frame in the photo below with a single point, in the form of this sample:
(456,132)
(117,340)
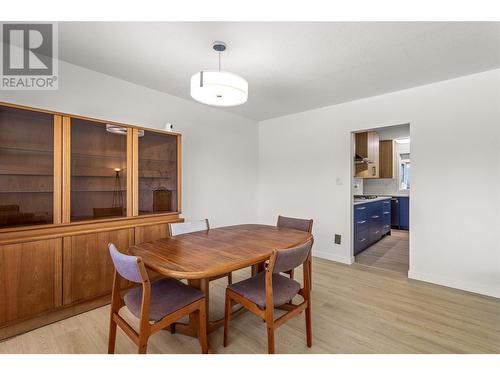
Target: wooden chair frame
(291,272)
(145,328)
(268,313)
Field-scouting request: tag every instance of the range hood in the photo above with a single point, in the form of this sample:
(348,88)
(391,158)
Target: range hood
(361,160)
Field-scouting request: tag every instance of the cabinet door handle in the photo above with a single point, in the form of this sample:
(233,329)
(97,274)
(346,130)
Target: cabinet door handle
(386,212)
(361,208)
(362,240)
(375,217)
(377,231)
(361,222)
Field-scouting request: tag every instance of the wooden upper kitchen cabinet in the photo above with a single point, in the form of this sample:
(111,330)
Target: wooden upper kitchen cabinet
(366,155)
(386,157)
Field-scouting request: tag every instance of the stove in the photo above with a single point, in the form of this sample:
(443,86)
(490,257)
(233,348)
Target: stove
(362,197)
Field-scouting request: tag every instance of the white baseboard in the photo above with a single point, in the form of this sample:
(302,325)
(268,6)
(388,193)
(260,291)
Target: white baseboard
(334,257)
(487,290)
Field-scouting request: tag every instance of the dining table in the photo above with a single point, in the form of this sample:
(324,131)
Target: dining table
(201,256)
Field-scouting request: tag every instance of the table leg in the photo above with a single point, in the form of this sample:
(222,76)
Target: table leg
(191,328)
(257,268)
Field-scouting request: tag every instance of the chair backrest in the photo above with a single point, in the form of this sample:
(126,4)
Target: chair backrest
(188,227)
(287,259)
(304,225)
(129,267)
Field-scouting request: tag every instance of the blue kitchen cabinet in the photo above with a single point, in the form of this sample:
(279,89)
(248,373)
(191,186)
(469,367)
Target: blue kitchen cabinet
(404,213)
(401,213)
(372,220)
(386,216)
(375,221)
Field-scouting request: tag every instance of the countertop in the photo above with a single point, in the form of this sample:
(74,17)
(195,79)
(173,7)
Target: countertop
(361,201)
(397,195)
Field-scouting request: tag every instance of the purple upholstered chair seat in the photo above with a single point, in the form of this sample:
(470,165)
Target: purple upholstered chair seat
(167,296)
(254,289)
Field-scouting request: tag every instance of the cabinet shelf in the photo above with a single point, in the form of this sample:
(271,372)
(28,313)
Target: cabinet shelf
(141,189)
(94,176)
(26,192)
(84,156)
(98,191)
(156,177)
(12,174)
(26,150)
(142,160)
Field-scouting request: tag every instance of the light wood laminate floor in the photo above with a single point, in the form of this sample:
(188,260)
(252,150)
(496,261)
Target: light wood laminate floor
(390,253)
(356,309)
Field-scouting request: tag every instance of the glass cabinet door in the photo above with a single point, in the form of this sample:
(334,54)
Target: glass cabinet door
(98,170)
(157,173)
(26,167)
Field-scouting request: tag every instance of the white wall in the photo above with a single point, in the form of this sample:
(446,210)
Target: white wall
(219,150)
(455,207)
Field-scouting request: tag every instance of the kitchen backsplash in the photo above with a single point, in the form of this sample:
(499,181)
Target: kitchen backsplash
(357,186)
(382,186)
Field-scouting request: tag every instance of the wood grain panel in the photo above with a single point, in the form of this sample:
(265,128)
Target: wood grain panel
(66,170)
(30,280)
(135,174)
(215,252)
(151,233)
(58,165)
(386,158)
(88,269)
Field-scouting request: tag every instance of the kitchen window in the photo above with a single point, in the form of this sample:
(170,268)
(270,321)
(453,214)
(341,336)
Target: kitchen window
(404,172)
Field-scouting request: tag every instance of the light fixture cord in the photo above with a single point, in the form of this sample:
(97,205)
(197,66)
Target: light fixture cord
(219,61)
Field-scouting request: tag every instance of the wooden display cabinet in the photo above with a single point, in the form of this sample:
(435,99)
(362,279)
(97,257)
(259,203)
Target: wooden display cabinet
(69,185)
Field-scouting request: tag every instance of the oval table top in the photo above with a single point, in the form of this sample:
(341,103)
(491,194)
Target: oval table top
(216,251)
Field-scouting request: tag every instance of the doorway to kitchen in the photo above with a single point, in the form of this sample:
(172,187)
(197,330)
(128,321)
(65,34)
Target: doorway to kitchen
(381,185)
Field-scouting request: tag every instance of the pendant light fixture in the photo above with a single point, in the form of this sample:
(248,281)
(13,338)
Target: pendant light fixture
(219,88)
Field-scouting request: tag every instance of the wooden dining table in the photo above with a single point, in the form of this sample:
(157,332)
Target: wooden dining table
(204,255)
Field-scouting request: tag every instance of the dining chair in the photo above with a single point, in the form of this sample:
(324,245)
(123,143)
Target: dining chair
(162,302)
(304,225)
(262,293)
(176,229)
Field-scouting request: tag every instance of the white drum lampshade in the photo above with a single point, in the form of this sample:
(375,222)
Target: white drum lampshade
(219,88)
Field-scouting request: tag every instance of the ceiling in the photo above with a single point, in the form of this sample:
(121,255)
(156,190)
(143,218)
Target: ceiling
(290,67)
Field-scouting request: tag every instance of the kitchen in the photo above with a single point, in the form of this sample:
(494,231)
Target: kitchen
(381,197)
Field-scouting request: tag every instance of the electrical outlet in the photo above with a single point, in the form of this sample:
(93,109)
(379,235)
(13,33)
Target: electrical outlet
(337,239)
